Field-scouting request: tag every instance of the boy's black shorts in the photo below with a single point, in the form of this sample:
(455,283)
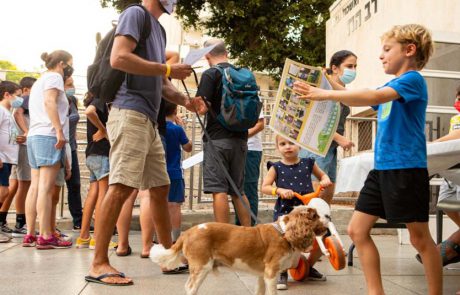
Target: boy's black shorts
(399,196)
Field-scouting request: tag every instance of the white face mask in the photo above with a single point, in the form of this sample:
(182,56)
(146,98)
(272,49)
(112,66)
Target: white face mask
(168,5)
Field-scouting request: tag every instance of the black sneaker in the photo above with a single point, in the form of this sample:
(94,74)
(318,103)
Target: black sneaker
(77,228)
(20,232)
(281,284)
(6,230)
(315,275)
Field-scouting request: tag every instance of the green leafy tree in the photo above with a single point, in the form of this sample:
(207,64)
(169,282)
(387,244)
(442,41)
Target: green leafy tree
(13,73)
(260,34)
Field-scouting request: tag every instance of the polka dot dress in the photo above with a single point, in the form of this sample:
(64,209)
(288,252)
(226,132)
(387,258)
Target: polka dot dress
(296,177)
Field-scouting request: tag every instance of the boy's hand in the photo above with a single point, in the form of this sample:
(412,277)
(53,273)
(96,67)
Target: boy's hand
(20,139)
(325,181)
(285,193)
(68,174)
(1,164)
(309,92)
(99,135)
(178,120)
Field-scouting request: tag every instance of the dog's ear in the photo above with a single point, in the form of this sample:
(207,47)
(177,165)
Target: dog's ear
(312,214)
(299,232)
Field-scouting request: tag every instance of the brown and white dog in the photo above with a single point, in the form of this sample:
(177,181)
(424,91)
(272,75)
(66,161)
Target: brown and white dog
(264,250)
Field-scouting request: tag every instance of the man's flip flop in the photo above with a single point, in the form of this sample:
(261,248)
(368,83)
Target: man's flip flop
(98,280)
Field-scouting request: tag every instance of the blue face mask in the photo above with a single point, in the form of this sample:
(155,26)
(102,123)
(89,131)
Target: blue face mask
(17,102)
(348,76)
(70,92)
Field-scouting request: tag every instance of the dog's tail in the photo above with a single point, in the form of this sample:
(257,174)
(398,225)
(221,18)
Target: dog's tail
(168,258)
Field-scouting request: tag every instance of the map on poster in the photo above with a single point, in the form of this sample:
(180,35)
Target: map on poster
(310,124)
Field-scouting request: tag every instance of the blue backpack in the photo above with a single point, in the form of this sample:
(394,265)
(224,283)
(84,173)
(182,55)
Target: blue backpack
(241,106)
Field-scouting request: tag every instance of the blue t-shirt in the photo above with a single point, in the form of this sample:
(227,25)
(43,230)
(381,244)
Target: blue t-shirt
(144,92)
(175,138)
(400,141)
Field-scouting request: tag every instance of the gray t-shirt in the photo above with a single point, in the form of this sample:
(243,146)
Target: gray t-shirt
(142,93)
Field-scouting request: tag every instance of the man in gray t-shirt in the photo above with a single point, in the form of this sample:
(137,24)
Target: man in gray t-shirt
(137,158)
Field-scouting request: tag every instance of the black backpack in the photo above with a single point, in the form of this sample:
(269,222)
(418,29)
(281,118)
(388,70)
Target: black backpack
(103,80)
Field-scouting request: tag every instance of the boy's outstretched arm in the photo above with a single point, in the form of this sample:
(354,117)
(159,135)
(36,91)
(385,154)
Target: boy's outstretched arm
(361,97)
(187,147)
(454,134)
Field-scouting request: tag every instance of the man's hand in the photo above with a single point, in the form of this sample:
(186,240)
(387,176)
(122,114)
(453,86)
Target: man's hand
(180,71)
(1,164)
(99,135)
(309,92)
(196,104)
(60,138)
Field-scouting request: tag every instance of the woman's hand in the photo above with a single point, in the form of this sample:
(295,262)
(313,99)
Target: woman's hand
(100,135)
(345,143)
(68,173)
(60,138)
(285,193)
(325,181)
(309,92)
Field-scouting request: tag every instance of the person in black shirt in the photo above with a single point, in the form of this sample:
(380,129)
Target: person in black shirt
(231,146)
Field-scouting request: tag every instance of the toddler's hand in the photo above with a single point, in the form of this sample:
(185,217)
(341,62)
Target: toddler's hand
(285,193)
(325,181)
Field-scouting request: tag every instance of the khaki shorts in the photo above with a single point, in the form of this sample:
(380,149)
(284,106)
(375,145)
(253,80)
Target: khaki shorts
(137,157)
(21,171)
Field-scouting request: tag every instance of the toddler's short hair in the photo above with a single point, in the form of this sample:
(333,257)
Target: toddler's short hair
(413,34)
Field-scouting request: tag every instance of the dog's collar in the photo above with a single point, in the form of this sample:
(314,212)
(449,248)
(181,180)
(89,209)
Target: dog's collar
(279,228)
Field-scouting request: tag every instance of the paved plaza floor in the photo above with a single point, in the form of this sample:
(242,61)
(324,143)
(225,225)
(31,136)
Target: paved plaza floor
(30,271)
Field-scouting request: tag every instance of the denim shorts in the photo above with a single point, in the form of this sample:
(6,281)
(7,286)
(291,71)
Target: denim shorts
(5,172)
(98,166)
(176,191)
(327,163)
(41,151)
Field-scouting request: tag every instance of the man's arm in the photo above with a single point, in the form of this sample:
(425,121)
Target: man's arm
(124,59)
(454,134)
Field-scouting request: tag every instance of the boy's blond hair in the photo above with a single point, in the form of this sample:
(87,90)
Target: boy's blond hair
(413,34)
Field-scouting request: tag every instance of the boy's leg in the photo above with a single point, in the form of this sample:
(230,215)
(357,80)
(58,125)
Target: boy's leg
(359,230)
(175,215)
(159,209)
(422,241)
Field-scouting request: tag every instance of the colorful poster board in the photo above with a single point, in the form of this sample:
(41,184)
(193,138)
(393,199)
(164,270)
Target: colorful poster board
(310,124)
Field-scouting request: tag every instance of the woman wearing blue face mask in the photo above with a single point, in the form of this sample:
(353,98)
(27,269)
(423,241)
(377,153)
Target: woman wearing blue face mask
(342,70)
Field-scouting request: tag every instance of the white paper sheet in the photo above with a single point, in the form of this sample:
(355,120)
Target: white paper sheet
(192,161)
(195,55)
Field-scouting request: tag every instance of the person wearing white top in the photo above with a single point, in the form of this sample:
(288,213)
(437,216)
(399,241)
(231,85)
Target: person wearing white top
(9,140)
(48,108)
(252,166)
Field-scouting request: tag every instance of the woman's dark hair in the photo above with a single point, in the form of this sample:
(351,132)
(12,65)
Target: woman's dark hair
(51,60)
(8,86)
(88,99)
(169,108)
(338,58)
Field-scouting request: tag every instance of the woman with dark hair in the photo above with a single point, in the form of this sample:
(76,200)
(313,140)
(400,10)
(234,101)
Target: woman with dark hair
(48,134)
(342,70)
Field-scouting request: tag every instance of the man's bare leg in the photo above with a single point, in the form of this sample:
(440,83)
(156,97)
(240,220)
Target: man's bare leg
(221,207)
(105,223)
(242,211)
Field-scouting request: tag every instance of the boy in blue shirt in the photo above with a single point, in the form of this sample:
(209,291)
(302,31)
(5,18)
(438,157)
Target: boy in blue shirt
(175,139)
(398,187)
